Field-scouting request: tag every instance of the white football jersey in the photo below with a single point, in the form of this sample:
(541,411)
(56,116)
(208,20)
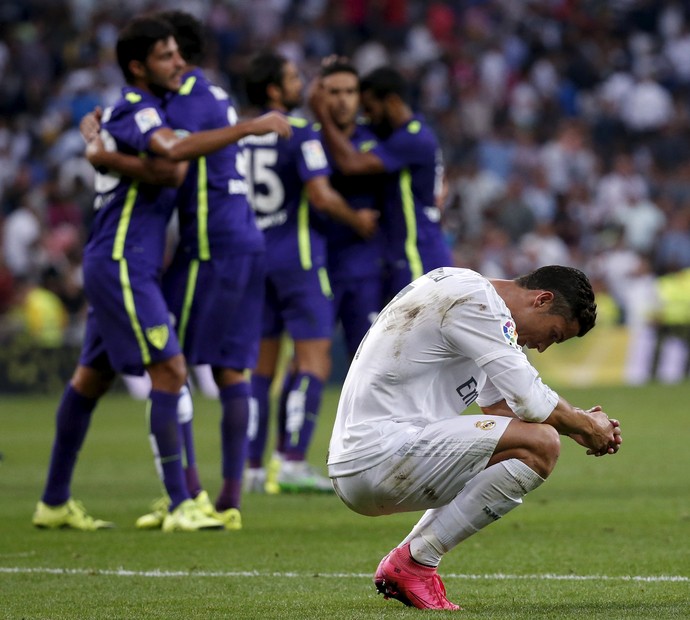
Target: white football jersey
(443,342)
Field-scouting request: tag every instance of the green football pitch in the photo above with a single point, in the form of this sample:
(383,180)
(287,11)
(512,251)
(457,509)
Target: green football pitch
(603,538)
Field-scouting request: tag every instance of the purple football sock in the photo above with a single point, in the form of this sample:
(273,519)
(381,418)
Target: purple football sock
(72,421)
(281,433)
(235,402)
(185,415)
(191,472)
(303,403)
(257,442)
(165,434)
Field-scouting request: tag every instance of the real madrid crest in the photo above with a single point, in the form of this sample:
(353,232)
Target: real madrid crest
(485,425)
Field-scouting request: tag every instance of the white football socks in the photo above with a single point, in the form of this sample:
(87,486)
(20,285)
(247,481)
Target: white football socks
(185,406)
(486,498)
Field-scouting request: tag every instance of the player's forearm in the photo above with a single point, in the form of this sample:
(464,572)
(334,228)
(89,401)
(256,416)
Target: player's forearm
(138,168)
(333,204)
(347,159)
(165,142)
(126,165)
(500,408)
(203,143)
(569,420)
(592,428)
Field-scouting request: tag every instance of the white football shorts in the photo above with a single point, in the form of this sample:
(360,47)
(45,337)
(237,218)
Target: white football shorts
(428,471)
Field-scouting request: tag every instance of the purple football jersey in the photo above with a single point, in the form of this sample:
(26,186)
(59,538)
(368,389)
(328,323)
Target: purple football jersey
(350,256)
(277,170)
(411,219)
(131,217)
(213,209)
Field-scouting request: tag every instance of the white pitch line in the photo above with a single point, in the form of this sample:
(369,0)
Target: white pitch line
(122,572)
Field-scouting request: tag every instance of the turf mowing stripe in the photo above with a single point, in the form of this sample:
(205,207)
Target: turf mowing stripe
(121,572)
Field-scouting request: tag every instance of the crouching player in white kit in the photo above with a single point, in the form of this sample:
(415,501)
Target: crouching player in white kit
(449,338)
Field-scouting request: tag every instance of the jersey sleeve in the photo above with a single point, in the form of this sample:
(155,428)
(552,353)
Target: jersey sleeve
(480,327)
(134,126)
(489,394)
(148,120)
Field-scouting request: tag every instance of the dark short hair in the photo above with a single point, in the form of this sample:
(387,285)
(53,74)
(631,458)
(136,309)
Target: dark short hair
(572,290)
(189,34)
(383,82)
(340,65)
(137,39)
(265,68)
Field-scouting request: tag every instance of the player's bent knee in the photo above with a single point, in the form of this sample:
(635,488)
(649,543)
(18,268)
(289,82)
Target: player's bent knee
(536,445)
(225,377)
(544,449)
(550,444)
(169,375)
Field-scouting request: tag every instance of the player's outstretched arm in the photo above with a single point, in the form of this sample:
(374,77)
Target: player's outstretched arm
(167,143)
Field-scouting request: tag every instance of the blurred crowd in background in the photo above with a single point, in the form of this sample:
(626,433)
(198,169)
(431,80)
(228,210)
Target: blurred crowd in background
(565,127)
